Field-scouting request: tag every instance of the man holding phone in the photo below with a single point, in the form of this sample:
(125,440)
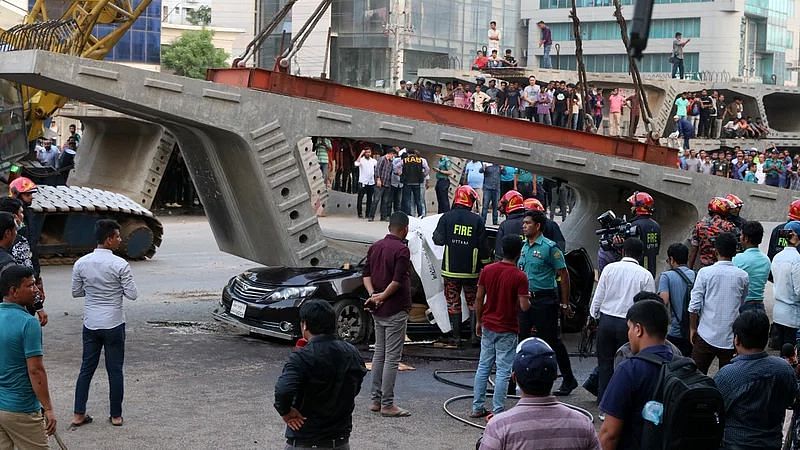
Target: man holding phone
(387,281)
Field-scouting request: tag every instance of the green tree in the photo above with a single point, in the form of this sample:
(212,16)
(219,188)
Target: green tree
(200,16)
(192,53)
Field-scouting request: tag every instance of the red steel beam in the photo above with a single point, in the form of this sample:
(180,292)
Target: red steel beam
(326,91)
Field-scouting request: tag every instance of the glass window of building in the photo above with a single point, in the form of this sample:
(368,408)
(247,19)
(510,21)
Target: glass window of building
(142,43)
(609,30)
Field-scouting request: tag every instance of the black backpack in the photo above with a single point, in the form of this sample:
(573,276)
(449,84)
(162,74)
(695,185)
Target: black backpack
(684,313)
(694,411)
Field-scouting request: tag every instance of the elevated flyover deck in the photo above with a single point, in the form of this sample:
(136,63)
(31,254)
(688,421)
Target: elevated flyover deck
(240,146)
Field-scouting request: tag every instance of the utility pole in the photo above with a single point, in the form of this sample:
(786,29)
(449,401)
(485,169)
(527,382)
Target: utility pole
(398,25)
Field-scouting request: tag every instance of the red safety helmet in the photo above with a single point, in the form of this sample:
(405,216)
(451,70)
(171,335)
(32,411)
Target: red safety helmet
(641,203)
(465,196)
(512,201)
(794,210)
(737,202)
(532,204)
(21,185)
(720,205)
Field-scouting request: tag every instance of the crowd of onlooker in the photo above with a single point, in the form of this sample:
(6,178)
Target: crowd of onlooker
(709,116)
(555,103)
(771,167)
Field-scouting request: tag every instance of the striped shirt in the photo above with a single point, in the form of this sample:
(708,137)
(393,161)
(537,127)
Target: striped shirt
(540,423)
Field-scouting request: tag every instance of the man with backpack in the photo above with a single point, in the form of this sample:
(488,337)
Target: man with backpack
(757,388)
(656,400)
(674,288)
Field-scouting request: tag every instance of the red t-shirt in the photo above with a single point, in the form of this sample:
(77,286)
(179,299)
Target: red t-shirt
(504,283)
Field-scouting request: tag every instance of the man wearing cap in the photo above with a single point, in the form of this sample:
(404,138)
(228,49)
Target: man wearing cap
(773,169)
(786,286)
(776,242)
(538,421)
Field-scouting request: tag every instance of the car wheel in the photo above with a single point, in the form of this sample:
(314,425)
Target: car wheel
(351,321)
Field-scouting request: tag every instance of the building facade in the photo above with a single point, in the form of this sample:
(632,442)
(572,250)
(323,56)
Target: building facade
(752,40)
(375,43)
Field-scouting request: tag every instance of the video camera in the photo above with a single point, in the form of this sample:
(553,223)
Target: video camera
(612,226)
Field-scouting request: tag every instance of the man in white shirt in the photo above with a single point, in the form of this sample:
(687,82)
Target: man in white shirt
(529,95)
(786,286)
(618,284)
(366,179)
(718,293)
(104,279)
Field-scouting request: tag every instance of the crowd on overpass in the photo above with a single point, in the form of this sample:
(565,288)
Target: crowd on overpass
(556,103)
(771,167)
(710,116)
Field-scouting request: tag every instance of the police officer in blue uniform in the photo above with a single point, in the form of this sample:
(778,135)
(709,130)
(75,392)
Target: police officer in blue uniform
(543,263)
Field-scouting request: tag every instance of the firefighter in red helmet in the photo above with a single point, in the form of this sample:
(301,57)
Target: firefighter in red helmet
(776,243)
(22,189)
(707,229)
(512,205)
(642,206)
(463,235)
(734,213)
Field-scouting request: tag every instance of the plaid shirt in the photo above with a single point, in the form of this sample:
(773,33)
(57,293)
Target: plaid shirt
(383,171)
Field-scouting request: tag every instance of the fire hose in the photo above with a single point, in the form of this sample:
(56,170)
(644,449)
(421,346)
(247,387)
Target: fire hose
(437,375)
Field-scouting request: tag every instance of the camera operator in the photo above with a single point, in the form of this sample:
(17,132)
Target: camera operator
(614,232)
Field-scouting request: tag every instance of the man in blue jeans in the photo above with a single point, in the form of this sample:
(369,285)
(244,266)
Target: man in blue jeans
(104,279)
(491,191)
(505,289)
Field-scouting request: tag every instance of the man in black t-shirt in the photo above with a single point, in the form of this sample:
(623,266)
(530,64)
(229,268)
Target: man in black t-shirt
(512,101)
(560,102)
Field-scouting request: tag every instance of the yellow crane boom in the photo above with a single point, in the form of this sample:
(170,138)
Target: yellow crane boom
(68,28)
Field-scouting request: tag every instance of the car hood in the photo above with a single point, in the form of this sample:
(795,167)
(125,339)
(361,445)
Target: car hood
(292,276)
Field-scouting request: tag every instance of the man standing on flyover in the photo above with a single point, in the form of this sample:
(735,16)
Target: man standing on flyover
(543,263)
(386,278)
(105,280)
(315,394)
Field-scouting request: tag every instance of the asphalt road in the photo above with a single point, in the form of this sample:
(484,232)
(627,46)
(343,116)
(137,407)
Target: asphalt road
(192,384)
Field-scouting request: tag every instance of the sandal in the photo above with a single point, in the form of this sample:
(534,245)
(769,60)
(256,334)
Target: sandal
(116,424)
(87,419)
(375,407)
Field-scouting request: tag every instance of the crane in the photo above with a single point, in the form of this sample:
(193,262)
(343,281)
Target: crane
(68,29)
